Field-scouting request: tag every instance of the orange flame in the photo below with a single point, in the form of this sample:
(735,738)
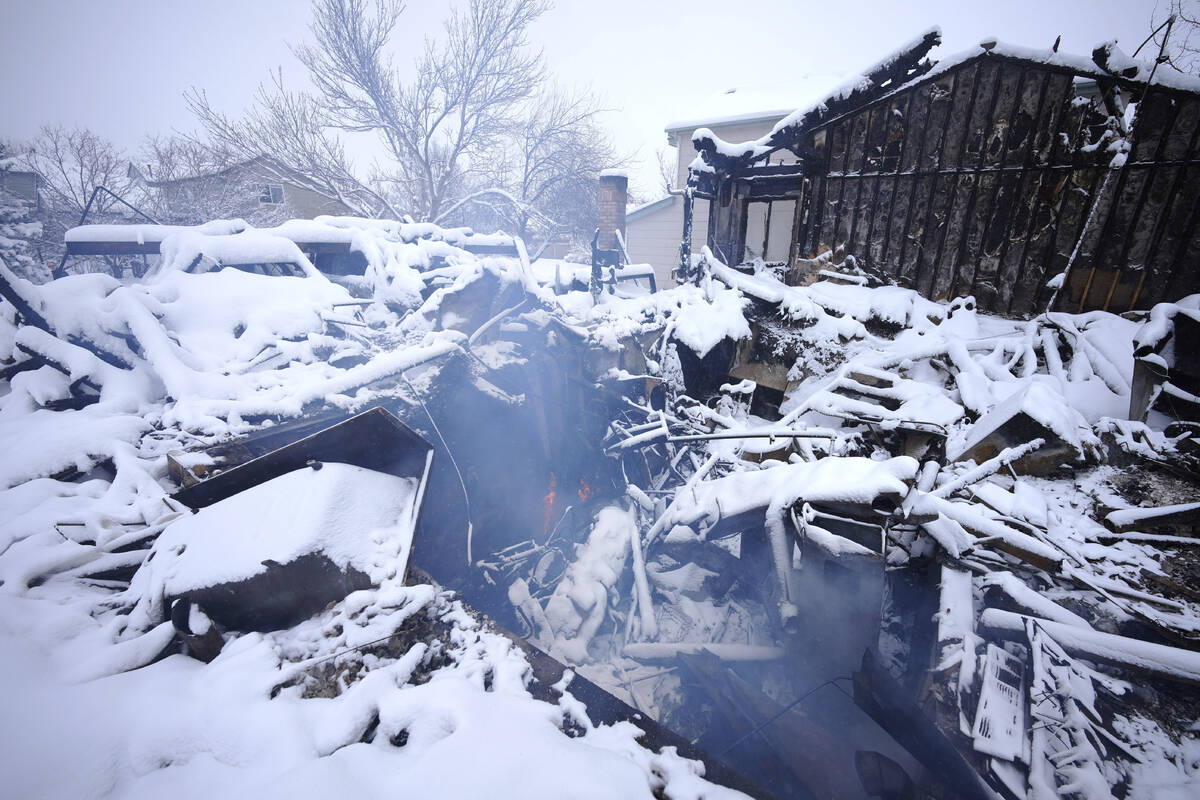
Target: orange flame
(548,503)
(585,491)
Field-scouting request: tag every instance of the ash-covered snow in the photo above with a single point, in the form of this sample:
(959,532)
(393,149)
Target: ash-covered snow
(185,729)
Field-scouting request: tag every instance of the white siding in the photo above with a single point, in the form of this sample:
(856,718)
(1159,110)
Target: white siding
(653,238)
(783,213)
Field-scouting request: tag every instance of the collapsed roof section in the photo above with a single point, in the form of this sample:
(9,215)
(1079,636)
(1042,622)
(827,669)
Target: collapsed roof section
(985,174)
(908,62)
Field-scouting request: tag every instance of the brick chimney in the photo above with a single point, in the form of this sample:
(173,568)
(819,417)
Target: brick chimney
(610,207)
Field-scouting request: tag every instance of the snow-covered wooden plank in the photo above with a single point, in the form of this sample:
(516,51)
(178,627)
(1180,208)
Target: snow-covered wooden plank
(1135,655)
(1152,538)
(1127,519)
(1001,536)
(956,613)
(1031,601)
(975,474)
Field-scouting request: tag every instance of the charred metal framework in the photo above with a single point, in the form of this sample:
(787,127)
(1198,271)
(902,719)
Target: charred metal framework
(984,177)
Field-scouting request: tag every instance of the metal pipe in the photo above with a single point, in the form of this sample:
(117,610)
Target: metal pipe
(58,271)
(755,435)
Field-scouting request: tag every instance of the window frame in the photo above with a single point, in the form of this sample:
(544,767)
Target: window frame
(268,194)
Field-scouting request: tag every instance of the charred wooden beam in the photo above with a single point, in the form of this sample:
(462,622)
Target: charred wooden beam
(1101,56)
(886,701)
(685,245)
(12,291)
(883,77)
(1140,658)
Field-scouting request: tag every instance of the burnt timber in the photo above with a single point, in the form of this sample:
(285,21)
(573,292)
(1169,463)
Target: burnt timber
(987,177)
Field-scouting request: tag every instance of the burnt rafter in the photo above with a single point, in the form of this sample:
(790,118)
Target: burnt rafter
(988,175)
(897,69)
(894,71)
(1103,55)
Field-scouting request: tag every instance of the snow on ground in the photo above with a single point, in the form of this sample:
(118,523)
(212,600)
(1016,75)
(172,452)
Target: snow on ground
(196,354)
(181,728)
(192,355)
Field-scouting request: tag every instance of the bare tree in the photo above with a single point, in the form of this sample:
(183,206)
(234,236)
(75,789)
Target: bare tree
(441,127)
(548,165)
(292,128)
(1183,46)
(562,152)
(474,135)
(668,170)
(171,158)
(72,163)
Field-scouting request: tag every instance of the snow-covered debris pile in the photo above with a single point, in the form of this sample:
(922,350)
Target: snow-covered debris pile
(709,502)
(276,553)
(1015,444)
(103,378)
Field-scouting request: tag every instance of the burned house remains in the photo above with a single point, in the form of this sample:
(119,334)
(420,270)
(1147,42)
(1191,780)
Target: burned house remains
(863,524)
(986,174)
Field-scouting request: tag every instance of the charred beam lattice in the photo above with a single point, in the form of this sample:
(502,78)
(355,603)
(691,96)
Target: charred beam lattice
(981,178)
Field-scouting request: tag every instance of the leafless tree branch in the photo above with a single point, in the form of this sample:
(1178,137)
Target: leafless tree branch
(291,128)
(72,163)
(1183,47)
(441,126)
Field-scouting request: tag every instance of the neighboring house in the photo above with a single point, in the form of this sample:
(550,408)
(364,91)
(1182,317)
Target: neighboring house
(261,191)
(23,185)
(653,231)
(20,223)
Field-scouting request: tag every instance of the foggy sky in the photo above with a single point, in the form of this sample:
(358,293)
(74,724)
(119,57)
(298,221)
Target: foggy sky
(121,66)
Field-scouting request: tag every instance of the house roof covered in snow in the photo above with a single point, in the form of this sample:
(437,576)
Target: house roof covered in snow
(761,102)
(1108,62)
(647,208)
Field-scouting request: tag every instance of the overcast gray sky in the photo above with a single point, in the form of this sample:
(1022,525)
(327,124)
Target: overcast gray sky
(121,67)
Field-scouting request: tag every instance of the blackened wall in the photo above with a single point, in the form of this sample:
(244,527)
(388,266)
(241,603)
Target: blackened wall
(984,178)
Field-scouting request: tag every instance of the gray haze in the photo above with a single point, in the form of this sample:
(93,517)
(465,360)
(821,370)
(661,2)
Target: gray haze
(121,66)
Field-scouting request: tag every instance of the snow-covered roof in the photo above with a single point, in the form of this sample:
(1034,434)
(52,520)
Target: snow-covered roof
(1164,76)
(264,161)
(756,102)
(647,208)
(1118,61)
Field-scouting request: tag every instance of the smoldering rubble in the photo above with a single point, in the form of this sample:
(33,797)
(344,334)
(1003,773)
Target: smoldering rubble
(448,521)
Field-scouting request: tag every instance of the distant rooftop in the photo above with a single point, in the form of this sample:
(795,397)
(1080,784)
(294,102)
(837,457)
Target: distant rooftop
(753,102)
